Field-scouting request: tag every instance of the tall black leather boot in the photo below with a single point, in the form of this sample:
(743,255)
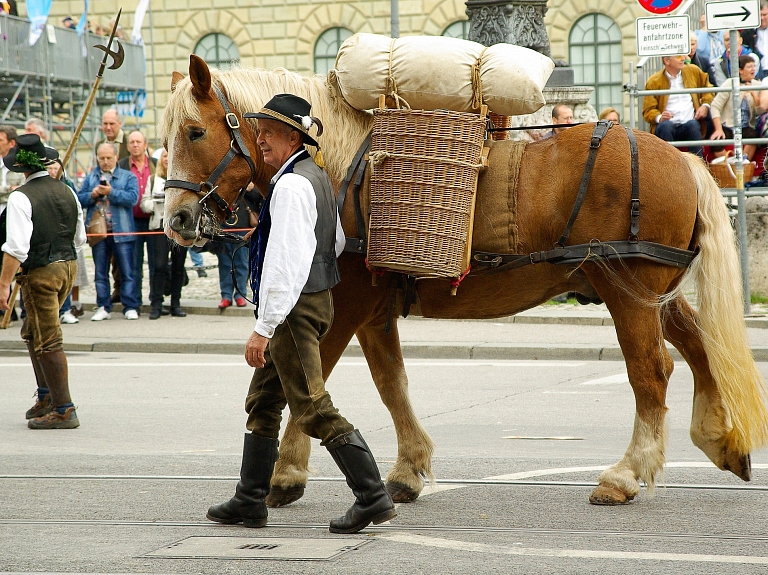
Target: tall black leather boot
(372,502)
(247,506)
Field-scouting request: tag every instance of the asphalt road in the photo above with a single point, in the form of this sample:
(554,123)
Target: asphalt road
(161,437)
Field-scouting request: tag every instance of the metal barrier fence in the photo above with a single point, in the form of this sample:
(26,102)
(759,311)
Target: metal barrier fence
(63,59)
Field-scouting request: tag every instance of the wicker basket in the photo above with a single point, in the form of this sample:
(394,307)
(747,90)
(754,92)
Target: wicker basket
(725,175)
(499,121)
(425,169)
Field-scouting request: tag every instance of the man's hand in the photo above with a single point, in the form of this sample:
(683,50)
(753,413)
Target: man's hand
(5,295)
(665,115)
(254,350)
(701,113)
(718,134)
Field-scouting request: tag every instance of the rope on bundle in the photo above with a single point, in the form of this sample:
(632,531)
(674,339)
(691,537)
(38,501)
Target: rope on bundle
(477,82)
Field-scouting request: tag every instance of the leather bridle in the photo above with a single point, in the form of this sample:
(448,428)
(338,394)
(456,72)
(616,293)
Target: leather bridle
(207,189)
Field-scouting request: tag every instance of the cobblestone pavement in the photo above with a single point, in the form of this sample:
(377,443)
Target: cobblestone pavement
(206,288)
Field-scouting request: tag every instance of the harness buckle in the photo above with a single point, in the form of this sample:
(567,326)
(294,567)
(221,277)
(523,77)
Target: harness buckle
(595,143)
(634,207)
(232,121)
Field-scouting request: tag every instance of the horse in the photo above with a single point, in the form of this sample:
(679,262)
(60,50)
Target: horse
(680,207)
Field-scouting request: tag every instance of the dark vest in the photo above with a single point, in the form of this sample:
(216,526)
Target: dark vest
(324,272)
(54,222)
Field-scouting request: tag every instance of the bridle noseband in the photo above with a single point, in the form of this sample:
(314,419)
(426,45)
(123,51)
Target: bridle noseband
(208,188)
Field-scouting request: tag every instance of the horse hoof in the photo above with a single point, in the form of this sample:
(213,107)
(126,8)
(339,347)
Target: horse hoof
(606,495)
(740,466)
(281,496)
(401,493)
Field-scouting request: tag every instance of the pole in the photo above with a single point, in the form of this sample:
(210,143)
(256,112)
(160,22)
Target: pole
(738,153)
(394,18)
(154,80)
(117,58)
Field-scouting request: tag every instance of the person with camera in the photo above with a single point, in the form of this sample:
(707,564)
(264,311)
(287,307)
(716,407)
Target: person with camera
(110,192)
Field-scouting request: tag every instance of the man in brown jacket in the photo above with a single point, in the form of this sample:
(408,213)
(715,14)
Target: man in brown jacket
(676,117)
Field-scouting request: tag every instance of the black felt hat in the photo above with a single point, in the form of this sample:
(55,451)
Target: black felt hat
(29,154)
(291,110)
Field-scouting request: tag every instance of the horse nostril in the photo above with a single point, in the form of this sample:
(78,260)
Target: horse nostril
(183,223)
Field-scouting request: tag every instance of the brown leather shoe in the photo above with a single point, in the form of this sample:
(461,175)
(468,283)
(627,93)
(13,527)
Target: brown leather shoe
(77,312)
(56,420)
(40,408)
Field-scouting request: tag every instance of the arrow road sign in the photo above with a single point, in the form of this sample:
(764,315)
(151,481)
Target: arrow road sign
(732,14)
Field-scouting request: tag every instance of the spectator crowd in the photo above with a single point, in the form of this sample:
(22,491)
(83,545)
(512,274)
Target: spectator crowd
(701,117)
(123,195)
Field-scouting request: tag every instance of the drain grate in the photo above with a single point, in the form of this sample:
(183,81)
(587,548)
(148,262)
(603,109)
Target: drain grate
(272,548)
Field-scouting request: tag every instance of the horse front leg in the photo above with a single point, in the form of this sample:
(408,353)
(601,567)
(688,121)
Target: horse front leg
(292,467)
(649,366)
(405,480)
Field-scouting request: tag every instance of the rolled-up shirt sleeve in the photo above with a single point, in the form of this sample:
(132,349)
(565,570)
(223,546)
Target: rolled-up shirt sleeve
(80,236)
(19,221)
(290,250)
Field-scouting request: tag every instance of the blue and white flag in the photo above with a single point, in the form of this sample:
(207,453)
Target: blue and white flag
(37,12)
(83,19)
(138,22)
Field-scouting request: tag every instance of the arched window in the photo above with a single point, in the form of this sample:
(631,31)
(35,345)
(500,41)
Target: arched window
(327,47)
(458,29)
(595,55)
(218,50)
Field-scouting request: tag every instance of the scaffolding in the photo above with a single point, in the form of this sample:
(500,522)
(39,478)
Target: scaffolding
(52,80)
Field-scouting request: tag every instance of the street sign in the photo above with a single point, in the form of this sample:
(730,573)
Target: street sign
(732,14)
(663,36)
(660,6)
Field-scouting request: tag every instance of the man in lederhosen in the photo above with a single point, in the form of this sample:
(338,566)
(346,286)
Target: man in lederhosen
(44,225)
(293,268)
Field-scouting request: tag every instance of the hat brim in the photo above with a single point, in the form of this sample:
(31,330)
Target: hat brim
(51,155)
(266,114)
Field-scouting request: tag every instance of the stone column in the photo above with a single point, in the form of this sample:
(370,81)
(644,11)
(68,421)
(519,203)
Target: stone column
(519,22)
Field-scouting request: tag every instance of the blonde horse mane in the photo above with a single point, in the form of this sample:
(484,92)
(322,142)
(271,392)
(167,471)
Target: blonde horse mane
(248,89)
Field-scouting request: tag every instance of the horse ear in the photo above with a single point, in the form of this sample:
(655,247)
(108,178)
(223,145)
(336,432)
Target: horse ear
(175,79)
(200,76)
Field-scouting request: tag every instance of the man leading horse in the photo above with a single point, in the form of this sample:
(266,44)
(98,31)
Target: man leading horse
(293,268)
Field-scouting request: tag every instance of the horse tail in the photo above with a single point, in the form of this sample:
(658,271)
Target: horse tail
(716,272)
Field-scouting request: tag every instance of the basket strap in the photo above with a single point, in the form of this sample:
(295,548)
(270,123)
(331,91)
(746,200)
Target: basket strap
(359,165)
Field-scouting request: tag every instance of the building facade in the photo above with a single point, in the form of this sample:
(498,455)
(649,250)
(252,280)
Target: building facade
(597,37)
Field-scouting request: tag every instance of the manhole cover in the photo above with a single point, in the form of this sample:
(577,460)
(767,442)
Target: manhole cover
(274,548)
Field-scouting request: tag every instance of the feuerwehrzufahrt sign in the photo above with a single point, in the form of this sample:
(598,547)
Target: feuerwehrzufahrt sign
(663,36)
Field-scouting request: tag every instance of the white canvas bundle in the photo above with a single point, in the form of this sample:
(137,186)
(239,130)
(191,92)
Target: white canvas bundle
(433,72)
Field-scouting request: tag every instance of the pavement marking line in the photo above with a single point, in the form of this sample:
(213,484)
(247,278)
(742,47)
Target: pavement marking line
(608,380)
(430,489)
(345,363)
(454,545)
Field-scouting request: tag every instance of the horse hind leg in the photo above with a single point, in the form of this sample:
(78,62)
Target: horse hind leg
(649,366)
(711,428)
(292,467)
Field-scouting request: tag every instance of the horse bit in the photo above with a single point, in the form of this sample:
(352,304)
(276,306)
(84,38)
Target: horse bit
(209,229)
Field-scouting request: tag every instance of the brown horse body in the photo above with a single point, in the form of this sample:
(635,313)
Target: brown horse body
(680,207)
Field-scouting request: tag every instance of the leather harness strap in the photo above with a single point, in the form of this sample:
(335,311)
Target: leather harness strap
(601,129)
(610,250)
(359,165)
(484,262)
(634,204)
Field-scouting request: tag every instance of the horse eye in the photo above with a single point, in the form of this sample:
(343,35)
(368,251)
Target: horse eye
(196,134)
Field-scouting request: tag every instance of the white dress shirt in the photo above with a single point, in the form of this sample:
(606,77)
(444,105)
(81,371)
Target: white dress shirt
(681,105)
(20,221)
(290,248)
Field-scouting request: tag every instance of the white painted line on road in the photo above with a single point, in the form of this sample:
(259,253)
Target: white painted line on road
(608,380)
(434,488)
(552,438)
(345,363)
(453,545)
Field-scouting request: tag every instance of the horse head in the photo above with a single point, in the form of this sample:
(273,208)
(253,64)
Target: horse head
(212,156)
